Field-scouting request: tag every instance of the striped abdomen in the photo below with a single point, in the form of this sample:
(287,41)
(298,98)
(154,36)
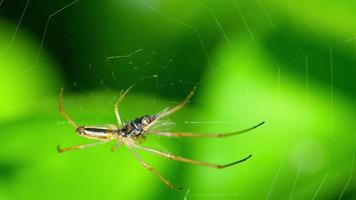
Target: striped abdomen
(95,132)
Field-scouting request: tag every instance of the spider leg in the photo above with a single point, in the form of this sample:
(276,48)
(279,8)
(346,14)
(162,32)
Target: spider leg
(116,106)
(178,106)
(187,160)
(117,145)
(199,135)
(82,146)
(151,169)
(60,107)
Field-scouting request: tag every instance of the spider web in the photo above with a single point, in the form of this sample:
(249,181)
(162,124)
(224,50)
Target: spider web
(154,70)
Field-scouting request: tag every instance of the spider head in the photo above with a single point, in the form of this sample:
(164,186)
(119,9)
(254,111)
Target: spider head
(147,120)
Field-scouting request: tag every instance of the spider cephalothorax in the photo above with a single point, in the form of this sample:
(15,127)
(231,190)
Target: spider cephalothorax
(138,126)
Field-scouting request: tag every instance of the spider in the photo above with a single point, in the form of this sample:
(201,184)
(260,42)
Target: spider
(131,133)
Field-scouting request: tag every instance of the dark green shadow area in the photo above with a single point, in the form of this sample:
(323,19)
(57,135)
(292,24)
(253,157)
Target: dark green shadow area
(297,52)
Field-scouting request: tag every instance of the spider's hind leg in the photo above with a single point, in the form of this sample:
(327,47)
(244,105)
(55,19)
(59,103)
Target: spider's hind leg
(61,110)
(82,146)
(116,146)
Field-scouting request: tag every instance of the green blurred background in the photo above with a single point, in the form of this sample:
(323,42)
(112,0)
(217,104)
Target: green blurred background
(289,63)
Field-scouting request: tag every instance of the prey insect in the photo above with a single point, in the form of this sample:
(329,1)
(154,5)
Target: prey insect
(132,132)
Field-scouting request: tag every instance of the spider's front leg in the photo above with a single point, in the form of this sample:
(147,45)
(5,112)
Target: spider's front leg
(187,160)
(199,135)
(116,106)
(178,106)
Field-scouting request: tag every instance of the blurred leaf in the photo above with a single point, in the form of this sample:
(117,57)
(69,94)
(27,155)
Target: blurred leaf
(25,77)
(303,132)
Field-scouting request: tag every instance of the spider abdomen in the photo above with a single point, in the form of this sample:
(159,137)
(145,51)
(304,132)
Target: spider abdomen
(94,132)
